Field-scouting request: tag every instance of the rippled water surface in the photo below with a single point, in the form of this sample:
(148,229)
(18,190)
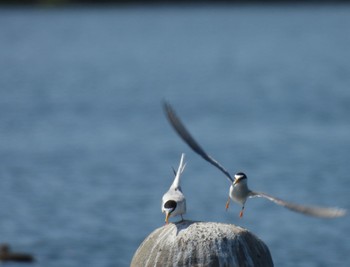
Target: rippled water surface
(86,152)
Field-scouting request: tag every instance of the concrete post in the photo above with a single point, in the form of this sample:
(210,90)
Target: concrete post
(190,243)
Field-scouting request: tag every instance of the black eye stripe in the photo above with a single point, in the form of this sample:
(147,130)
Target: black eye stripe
(170,204)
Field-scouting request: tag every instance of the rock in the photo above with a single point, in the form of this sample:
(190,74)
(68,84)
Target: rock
(190,243)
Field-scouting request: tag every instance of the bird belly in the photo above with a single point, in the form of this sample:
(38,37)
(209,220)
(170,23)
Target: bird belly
(238,194)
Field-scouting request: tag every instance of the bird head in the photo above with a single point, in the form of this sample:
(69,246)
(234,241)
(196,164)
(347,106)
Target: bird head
(239,177)
(168,208)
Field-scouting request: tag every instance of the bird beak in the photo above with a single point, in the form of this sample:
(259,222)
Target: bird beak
(167,217)
(235,182)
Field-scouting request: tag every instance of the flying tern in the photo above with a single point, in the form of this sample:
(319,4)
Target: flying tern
(239,191)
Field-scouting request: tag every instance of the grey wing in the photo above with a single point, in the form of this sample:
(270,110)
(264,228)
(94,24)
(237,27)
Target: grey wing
(307,210)
(189,140)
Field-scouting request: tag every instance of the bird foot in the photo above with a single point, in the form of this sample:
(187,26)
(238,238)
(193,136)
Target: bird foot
(227,204)
(241,214)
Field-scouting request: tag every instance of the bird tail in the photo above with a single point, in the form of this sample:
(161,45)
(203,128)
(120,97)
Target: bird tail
(180,169)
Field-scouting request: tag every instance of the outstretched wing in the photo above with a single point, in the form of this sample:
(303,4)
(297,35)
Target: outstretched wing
(186,136)
(307,210)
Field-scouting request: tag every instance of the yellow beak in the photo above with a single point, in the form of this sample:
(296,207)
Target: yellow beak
(167,217)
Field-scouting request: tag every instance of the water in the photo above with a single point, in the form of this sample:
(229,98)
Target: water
(86,152)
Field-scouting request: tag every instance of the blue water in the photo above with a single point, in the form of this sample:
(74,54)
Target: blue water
(86,152)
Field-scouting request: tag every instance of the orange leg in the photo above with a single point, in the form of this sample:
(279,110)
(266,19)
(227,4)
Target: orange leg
(241,213)
(227,203)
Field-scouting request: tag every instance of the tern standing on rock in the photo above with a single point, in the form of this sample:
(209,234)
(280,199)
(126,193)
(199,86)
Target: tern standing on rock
(174,201)
(239,191)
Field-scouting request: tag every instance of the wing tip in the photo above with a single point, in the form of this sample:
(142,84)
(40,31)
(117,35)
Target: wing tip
(339,212)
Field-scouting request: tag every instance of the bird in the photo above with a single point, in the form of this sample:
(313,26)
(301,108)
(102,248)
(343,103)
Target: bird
(174,201)
(239,191)
(7,255)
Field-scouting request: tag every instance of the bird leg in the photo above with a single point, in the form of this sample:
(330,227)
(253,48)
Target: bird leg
(227,203)
(241,213)
(182,218)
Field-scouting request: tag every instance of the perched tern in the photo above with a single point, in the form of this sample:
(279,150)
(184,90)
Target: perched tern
(174,201)
(239,191)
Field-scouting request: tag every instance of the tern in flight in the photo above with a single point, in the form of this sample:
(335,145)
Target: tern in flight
(174,201)
(239,191)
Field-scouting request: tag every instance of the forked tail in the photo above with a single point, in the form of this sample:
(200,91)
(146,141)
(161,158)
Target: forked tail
(180,169)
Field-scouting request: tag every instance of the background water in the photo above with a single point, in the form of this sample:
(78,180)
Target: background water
(86,152)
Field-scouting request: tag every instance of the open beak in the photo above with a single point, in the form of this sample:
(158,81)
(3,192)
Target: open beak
(167,215)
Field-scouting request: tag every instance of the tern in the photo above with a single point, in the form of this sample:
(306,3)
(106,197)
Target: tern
(174,201)
(239,191)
